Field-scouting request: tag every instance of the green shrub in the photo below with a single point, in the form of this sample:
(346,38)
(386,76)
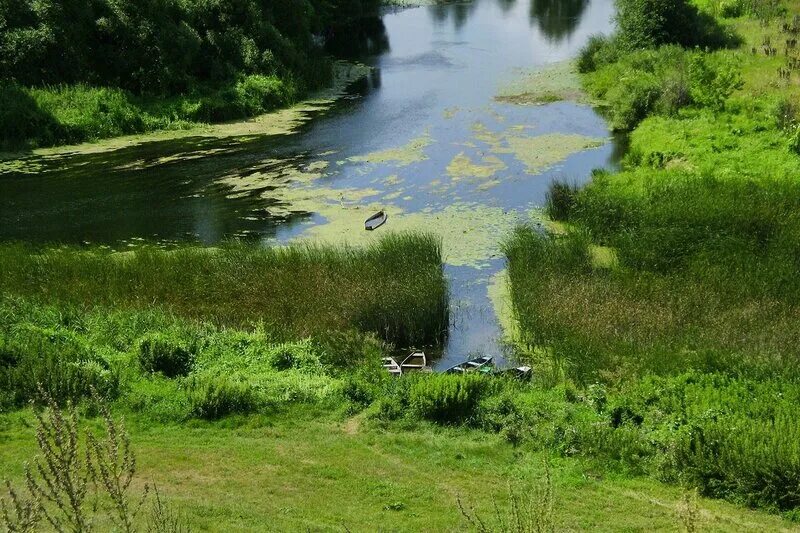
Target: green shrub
(598,51)
(62,363)
(214,397)
(712,85)
(633,98)
(447,399)
(162,353)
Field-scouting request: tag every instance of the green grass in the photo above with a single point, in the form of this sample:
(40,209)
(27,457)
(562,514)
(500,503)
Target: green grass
(306,470)
(395,288)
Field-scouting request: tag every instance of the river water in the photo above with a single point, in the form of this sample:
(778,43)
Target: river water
(423,137)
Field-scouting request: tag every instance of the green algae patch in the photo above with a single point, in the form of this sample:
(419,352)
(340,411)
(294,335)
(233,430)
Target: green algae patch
(499,292)
(554,83)
(537,153)
(276,173)
(412,152)
(463,167)
(495,140)
(471,233)
(391,181)
(543,151)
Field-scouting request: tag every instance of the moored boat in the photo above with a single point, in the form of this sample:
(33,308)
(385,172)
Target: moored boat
(375,221)
(415,361)
(481,364)
(520,372)
(391,366)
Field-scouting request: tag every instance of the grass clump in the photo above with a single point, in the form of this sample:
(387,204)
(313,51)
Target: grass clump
(447,398)
(560,200)
(161,353)
(219,396)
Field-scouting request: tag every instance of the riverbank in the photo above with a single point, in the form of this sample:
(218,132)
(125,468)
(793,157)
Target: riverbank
(169,124)
(688,336)
(92,70)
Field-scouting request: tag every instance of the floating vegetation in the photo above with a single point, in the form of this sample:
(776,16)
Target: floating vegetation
(412,152)
(450,112)
(537,153)
(462,167)
(543,151)
(553,83)
(392,180)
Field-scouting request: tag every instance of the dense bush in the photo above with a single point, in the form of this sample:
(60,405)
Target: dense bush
(162,353)
(165,46)
(730,437)
(643,24)
(59,361)
(447,398)
(662,82)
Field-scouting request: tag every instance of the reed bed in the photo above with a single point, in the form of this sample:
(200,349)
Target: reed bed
(395,288)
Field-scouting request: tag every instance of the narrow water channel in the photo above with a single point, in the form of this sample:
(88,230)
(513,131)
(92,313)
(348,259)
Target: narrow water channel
(423,137)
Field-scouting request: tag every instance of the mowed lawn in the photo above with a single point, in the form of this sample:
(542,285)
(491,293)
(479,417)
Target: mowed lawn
(308,472)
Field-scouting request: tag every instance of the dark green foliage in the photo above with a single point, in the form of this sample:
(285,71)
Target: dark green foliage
(731,438)
(445,398)
(22,118)
(162,353)
(599,50)
(79,70)
(214,397)
(165,46)
(59,361)
(561,200)
(643,24)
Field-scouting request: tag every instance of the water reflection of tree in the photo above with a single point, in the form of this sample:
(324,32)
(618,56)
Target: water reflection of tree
(557,19)
(364,37)
(458,12)
(506,5)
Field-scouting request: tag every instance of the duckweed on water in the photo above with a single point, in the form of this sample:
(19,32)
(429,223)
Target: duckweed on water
(537,153)
(500,295)
(543,151)
(412,152)
(553,83)
(462,167)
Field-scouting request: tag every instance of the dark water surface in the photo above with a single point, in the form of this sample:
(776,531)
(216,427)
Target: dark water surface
(437,72)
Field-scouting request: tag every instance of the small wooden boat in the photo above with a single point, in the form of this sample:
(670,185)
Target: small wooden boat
(481,364)
(415,361)
(523,373)
(376,221)
(391,366)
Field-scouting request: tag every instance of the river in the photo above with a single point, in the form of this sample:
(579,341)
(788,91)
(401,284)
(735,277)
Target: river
(424,137)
